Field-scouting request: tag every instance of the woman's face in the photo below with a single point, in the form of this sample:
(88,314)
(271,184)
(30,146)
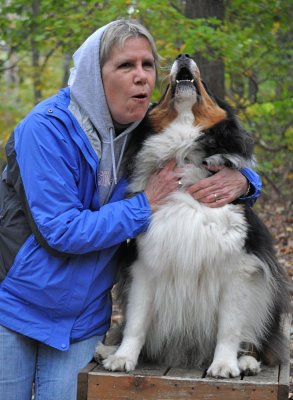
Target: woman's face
(129,77)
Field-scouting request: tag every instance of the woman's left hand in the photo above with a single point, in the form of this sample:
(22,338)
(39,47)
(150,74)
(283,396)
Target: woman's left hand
(225,186)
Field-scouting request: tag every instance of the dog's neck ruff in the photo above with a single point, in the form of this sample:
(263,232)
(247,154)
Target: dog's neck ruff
(185,113)
(183,103)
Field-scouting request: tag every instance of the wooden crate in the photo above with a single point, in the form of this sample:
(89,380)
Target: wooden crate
(152,383)
(149,382)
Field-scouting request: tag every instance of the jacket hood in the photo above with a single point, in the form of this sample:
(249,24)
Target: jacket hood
(85,81)
(87,90)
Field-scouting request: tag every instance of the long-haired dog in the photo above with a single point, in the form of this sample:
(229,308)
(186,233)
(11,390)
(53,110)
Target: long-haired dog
(205,287)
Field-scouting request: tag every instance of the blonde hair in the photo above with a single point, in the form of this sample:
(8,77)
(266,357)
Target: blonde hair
(119,32)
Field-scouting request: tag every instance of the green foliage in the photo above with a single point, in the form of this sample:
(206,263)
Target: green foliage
(254,41)
(258,64)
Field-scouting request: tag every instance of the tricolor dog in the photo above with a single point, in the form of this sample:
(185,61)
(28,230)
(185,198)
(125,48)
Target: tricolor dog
(205,287)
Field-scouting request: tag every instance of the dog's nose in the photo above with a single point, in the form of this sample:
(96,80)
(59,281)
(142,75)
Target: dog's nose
(182,56)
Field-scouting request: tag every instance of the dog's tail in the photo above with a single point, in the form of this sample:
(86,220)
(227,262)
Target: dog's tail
(274,345)
(276,349)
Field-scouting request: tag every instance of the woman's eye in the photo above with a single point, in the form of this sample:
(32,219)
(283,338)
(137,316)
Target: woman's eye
(125,65)
(149,64)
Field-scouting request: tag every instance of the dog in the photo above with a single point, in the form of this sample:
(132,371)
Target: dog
(205,289)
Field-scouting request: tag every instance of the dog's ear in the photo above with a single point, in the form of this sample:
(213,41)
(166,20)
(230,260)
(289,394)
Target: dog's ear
(164,94)
(207,90)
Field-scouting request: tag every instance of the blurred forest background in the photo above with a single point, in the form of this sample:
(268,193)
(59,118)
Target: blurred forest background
(243,48)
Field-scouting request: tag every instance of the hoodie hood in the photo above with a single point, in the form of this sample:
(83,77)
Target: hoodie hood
(87,92)
(85,81)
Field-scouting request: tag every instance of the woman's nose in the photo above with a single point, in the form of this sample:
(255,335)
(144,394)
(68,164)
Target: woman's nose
(140,75)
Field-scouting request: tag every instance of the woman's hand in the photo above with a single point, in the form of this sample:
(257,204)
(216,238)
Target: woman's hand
(222,188)
(161,184)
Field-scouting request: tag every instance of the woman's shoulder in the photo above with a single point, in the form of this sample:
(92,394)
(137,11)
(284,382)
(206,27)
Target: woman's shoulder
(50,117)
(53,107)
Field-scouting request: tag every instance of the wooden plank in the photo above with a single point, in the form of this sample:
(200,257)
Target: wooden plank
(189,373)
(145,369)
(82,381)
(267,375)
(284,372)
(135,387)
(150,370)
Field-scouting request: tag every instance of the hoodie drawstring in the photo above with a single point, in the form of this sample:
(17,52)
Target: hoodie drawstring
(116,167)
(113,156)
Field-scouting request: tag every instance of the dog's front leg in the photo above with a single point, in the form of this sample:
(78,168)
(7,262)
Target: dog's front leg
(137,321)
(230,323)
(225,364)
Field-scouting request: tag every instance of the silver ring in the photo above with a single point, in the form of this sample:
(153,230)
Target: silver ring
(215,196)
(180,184)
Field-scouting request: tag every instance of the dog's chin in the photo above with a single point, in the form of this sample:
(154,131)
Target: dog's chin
(185,91)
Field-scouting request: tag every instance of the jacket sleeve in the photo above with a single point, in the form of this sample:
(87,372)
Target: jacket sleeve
(255,183)
(49,166)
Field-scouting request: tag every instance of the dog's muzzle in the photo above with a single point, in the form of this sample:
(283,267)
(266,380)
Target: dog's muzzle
(184,73)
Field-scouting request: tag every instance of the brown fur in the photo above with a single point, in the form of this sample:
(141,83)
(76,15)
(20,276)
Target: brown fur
(164,113)
(207,112)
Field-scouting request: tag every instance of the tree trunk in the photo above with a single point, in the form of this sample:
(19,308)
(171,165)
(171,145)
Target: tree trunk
(36,54)
(212,72)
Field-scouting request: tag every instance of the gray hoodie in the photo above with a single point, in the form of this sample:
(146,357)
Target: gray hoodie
(89,106)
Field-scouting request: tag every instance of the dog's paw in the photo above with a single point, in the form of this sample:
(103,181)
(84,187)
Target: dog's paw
(102,351)
(223,369)
(249,365)
(119,363)
(214,160)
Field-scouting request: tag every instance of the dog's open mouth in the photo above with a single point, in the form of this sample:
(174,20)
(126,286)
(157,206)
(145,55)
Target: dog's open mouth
(185,79)
(185,83)
(184,76)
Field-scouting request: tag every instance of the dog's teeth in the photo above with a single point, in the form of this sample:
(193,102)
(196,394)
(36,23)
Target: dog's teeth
(185,80)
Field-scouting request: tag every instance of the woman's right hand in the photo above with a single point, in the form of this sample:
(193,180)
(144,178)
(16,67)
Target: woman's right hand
(161,183)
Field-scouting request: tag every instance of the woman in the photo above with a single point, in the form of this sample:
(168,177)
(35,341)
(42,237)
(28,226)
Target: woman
(63,212)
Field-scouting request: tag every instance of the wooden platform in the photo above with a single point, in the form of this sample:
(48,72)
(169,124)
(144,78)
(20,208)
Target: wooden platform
(149,382)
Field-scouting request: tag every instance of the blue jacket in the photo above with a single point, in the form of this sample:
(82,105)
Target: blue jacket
(57,246)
